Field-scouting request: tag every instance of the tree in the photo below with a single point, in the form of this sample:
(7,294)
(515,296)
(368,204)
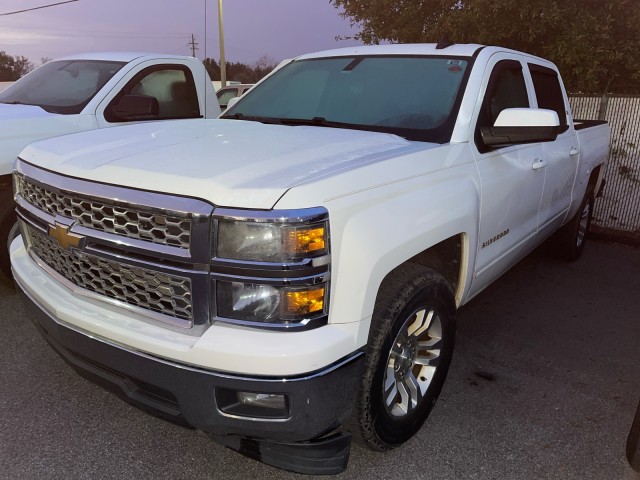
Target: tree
(12,68)
(593,42)
(212,67)
(241,72)
(21,66)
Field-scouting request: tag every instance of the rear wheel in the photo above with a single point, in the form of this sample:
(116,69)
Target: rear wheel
(568,243)
(408,355)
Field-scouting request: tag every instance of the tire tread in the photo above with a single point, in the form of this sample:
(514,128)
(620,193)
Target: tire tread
(395,292)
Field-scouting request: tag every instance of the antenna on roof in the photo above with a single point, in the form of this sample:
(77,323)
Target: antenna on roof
(444,42)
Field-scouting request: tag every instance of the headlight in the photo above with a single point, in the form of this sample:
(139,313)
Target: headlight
(253,302)
(270,242)
(272,268)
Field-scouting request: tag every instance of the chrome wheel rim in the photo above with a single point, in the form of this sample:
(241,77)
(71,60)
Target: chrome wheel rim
(412,362)
(584,224)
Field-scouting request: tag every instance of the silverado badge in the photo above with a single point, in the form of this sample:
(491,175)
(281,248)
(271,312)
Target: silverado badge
(495,239)
(60,233)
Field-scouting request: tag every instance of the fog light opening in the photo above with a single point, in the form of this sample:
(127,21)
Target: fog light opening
(265,400)
(255,405)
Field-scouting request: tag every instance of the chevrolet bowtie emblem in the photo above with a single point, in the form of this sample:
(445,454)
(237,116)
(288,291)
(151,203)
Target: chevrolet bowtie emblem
(60,233)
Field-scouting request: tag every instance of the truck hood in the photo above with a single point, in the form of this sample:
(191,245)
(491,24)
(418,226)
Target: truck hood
(23,124)
(226,162)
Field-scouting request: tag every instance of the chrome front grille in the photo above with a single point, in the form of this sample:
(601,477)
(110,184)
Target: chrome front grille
(160,228)
(140,287)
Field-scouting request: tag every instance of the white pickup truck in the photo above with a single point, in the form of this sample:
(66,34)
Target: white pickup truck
(92,91)
(266,275)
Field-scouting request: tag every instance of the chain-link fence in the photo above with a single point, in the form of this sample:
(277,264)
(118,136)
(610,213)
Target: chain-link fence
(618,210)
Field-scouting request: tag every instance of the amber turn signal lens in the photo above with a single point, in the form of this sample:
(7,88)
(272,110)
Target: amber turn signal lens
(303,240)
(304,302)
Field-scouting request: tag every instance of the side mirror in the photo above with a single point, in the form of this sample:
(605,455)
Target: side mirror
(522,125)
(135,107)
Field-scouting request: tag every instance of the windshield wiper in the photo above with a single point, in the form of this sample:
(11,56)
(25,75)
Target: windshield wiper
(318,121)
(252,118)
(314,122)
(14,102)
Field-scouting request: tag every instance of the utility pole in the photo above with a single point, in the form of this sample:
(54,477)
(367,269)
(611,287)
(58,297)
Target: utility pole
(194,45)
(223,63)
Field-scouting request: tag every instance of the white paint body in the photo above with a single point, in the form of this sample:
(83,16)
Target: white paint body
(23,124)
(388,200)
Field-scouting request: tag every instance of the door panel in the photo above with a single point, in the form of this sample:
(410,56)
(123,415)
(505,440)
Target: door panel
(560,174)
(511,186)
(562,155)
(511,192)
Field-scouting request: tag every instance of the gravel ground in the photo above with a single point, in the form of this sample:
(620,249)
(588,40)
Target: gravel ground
(544,384)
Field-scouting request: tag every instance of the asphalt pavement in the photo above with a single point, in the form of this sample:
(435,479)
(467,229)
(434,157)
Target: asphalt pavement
(544,384)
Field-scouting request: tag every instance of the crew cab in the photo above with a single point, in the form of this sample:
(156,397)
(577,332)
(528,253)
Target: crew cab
(92,91)
(266,275)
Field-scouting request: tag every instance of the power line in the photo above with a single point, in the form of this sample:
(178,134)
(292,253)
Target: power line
(37,8)
(69,32)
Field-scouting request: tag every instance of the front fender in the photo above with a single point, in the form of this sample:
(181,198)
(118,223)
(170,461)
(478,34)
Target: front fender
(385,212)
(384,231)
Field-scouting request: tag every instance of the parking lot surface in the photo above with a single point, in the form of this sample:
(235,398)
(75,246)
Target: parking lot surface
(544,384)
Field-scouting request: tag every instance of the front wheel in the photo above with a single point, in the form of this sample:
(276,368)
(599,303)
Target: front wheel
(408,355)
(7,234)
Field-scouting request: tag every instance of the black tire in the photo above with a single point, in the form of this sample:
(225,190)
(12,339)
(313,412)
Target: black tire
(633,442)
(392,349)
(5,265)
(568,242)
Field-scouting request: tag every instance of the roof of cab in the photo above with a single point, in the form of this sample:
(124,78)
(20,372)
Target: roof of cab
(457,50)
(120,56)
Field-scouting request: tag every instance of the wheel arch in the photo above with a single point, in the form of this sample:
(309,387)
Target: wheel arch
(445,257)
(449,256)
(596,180)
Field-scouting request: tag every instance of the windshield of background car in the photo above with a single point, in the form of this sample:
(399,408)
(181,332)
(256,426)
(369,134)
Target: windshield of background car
(224,95)
(63,86)
(411,96)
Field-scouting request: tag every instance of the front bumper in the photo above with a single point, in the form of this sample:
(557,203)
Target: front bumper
(318,402)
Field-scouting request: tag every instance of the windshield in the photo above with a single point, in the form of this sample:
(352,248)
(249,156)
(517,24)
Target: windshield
(63,86)
(414,97)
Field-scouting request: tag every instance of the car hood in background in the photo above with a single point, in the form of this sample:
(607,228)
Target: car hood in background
(23,124)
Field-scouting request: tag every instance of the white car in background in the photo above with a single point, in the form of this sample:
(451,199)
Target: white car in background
(231,91)
(93,91)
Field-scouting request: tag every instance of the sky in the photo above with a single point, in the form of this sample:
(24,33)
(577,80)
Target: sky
(253,28)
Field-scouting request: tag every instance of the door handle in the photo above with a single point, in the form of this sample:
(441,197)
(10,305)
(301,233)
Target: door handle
(538,164)
(574,151)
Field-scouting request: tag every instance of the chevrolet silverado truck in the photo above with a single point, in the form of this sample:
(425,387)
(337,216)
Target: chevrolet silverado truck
(92,91)
(264,276)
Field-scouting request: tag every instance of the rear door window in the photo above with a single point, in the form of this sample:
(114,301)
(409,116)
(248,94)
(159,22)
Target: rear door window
(548,91)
